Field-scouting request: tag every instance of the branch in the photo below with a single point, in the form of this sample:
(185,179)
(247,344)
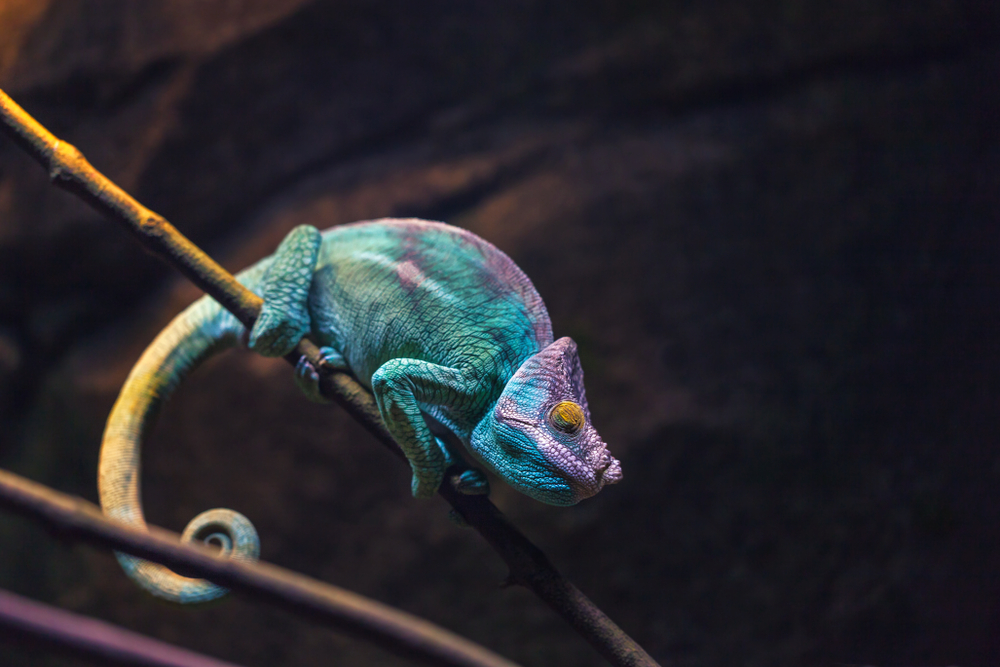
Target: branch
(33,622)
(397,631)
(528,566)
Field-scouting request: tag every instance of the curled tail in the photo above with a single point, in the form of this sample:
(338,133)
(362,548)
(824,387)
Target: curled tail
(203,329)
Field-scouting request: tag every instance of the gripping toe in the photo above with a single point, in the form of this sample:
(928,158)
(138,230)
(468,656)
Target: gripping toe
(471,482)
(307,378)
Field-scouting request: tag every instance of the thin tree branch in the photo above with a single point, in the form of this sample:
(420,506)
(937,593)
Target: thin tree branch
(394,630)
(528,566)
(30,622)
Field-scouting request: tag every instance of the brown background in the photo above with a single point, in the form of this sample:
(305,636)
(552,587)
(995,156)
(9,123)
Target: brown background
(771,227)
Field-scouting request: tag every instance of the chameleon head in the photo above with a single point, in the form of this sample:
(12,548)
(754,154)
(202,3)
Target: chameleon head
(539,438)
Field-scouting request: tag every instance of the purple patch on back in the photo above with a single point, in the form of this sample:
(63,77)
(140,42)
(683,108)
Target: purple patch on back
(499,273)
(502,274)
(410,277)
(500,264)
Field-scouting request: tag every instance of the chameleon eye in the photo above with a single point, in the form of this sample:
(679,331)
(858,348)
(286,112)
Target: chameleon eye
(567,417)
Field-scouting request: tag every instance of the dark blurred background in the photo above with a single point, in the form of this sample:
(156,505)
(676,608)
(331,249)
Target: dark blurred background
(771,227)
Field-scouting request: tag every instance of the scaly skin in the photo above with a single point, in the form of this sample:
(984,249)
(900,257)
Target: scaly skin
(434,320)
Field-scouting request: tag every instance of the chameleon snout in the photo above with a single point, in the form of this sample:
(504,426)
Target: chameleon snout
(609,470)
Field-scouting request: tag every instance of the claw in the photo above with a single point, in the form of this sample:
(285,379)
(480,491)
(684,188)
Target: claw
(307,377)
(471,482)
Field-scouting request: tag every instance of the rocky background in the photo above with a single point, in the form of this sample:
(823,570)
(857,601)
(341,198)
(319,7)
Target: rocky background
(771,227)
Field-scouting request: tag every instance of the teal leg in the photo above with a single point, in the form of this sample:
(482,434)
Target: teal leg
(284,319)
(400,385)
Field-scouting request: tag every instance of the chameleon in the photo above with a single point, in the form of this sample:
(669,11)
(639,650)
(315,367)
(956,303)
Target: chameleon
(442,327)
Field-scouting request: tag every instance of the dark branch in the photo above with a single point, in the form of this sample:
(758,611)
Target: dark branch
(68,169)
(30,622)
(397,631)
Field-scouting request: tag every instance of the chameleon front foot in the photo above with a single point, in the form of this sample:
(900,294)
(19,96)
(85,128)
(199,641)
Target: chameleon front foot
(471,482)
(307,377)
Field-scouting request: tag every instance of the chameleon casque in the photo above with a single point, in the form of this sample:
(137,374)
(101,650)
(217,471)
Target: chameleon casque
(434,320)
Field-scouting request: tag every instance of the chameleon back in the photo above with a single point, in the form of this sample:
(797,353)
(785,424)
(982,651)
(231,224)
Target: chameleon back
(424,290)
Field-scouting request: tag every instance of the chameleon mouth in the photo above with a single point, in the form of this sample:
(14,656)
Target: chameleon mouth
(603,460)
(610,470)
(586,476)
(607,469)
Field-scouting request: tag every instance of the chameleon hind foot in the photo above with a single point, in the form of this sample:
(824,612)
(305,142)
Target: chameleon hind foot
(284,317)
(307,377)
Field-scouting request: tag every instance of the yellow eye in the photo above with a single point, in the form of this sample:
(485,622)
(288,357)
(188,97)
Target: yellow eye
(567,416)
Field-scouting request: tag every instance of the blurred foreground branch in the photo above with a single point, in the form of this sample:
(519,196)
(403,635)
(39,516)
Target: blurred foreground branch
(33,623)
(397,631)
(528,566)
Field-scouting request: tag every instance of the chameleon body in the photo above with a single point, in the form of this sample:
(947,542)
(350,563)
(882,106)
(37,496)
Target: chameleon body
(433,319)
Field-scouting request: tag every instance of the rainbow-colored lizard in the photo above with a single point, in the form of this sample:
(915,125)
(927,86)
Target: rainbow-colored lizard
(435,320)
